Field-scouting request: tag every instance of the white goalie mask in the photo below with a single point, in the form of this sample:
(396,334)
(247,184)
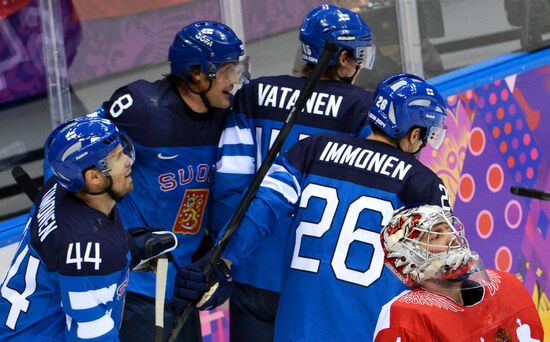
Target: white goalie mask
(427,243)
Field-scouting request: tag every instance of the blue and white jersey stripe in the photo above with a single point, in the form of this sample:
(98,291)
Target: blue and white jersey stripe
(70,283)
(176,156)
(259,112)
(279,179)
(333,209)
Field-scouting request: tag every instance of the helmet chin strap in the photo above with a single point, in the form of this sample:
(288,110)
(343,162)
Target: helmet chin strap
(202,95)
(108,190)
(414,153)
(349,79)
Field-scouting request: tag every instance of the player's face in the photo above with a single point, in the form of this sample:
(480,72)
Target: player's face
(226,78)
(439,239)
(120,165)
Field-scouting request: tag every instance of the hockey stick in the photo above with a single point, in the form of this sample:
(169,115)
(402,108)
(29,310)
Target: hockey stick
(531,193)
(25,182)
(319,69)
(160,295)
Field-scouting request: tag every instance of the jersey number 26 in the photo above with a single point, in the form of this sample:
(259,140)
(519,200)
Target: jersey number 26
(348,234)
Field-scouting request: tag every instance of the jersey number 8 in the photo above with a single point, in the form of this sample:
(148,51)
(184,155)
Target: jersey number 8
(120,104)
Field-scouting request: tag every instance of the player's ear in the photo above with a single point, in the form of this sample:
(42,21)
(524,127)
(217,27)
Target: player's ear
(345,57)
(196,74)
(93,178)
(415,134)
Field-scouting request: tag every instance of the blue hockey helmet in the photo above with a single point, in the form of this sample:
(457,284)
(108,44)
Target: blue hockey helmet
(84,142)
(404,101)
(207,44)
(346,29)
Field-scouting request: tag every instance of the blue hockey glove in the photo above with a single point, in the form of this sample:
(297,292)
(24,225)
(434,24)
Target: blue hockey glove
(147,244)
(192,286)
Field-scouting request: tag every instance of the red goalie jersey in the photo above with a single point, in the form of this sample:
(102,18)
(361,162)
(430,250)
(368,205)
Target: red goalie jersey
(505,313)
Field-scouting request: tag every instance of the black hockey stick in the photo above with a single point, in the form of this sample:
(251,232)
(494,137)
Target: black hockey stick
(25,182)
(329,50)
(531,193)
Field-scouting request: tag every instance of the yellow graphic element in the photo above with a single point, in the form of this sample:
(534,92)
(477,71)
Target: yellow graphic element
(191,212)
(543,307)
(447,162)
(520,277)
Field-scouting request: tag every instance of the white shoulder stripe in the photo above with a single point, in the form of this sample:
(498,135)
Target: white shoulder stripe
(235,135)
(91,298)
(236,164)
(279,168)
(276,168)
(384,316)
(95,328)
(284,189)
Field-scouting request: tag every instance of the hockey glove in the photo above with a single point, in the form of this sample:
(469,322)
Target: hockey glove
(192,286)
(147,244)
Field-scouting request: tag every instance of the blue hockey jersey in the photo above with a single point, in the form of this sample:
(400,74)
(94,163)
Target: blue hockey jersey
(175,157)
(260,109)
(340,192)
(69,275)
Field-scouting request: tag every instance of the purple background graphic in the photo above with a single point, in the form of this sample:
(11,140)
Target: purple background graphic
(21,61)
(106,46)
(500,132)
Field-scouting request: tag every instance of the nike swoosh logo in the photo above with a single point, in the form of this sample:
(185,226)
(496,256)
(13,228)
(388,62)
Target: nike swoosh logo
(166,157)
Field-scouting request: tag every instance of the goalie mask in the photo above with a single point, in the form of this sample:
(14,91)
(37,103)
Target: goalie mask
(426,244)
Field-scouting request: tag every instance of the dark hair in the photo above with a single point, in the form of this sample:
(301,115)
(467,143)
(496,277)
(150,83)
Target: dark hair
(375,129)
(331,72)
(305,70)
(378,131)
(183,80)
(423,130)
(176,79)
(173,80)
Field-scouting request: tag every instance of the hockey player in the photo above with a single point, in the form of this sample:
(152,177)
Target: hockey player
(175,124)
(260,109)
(452,297)
(69,275)
(340,191)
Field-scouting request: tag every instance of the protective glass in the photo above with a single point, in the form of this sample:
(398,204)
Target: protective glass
(120,160)
(364,56)
(236,73)
(448,259)
(436,136)
(446,233)
(438,130)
